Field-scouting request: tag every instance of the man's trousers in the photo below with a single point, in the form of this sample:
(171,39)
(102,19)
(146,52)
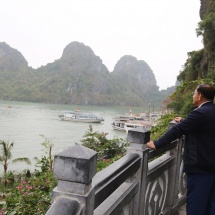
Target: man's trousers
(200,193)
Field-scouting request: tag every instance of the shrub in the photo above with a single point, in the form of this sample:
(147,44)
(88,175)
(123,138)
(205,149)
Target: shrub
(31,195)
(108,150)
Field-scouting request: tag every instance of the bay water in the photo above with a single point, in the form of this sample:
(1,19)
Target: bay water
(23,123)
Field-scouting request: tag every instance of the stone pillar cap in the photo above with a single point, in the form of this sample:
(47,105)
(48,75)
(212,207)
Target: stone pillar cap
(75,164)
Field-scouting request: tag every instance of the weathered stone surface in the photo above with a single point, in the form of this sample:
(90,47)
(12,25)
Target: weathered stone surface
(138,135)
(64,205)
(75,164)
(73,187)
(172,123)
(86,200)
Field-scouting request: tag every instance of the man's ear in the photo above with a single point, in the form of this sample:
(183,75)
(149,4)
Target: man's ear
(200,96)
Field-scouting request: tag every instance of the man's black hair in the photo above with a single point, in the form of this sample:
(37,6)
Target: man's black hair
(207,90)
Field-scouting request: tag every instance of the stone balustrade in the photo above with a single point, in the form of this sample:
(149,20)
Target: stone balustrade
(143,182)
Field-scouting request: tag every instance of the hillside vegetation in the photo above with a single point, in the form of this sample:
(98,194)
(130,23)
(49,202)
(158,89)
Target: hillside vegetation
(78,77)
(200,65)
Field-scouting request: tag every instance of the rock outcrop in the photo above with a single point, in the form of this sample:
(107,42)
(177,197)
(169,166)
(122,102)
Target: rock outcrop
(207,6)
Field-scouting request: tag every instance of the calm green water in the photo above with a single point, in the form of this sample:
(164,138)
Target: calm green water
(23,122)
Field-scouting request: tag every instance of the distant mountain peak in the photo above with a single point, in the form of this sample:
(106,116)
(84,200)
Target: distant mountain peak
(77,50)
(129,65)
(10,58)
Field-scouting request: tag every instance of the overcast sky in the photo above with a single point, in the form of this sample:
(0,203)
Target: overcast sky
(160,32)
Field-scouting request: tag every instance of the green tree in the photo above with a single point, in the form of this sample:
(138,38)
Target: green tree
(6,157)
(32,194)
(206,29)
(46,162)
(108,150)
(181,99)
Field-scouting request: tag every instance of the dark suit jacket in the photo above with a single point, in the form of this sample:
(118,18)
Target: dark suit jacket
(199,130)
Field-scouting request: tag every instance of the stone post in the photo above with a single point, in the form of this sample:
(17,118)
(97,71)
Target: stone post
(178,177)
(74,168)
(137,139)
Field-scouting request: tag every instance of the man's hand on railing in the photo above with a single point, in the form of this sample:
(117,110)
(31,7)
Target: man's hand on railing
(151,145)
(178,119)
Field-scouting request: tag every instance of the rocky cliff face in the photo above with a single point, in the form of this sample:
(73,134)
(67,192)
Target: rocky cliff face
(207,6)
(137,77)
(11,59)
(201,63)
(81,57)
(207,14)
(130,66)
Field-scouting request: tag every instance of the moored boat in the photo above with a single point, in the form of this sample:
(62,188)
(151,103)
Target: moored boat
(127,122)
(81,117)
(120,121)
(135,124)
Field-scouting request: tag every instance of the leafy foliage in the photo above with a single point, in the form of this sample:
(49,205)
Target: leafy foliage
(193,66)
(46,162)
(200,65)
(206,28)
(6,158)
(181,99)
(31,195)
(108,150)
(162,125)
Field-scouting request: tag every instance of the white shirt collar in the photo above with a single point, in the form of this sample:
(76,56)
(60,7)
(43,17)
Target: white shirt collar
(203,103)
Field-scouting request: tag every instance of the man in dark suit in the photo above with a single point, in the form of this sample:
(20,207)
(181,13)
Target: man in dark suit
(199,150)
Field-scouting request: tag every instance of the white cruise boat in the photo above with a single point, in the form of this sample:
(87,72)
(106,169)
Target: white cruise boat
(81,117)
(121,120)
(127,122)
(136,124)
